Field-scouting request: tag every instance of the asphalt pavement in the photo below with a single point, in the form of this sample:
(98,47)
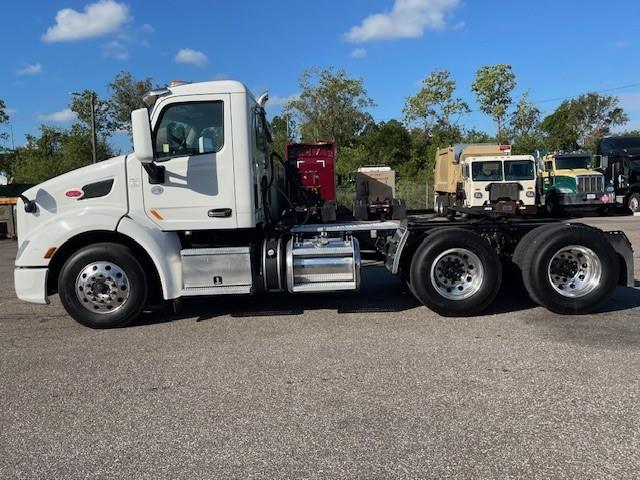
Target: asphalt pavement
(356,385)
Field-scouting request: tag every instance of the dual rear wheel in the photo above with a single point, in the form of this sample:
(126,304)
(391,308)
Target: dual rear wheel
(568,269)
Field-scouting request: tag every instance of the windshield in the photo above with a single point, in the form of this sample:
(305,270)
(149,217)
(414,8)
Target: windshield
(519,170)
(625,142)
(572,163)
(486,171)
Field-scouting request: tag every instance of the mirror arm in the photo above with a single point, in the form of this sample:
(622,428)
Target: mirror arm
(29,205)
(156,173)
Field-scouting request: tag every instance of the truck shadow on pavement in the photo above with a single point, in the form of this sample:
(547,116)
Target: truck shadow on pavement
(380,292)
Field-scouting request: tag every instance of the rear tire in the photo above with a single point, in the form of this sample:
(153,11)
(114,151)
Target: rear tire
(103,286)
(455,272)
(569,270)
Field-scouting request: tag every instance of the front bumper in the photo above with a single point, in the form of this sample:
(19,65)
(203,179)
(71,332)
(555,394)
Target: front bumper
(583,199)
(31,284)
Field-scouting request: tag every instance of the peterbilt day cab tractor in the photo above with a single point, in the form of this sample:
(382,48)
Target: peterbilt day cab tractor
(569,181)
(620,162)
(484,178)
(195,211)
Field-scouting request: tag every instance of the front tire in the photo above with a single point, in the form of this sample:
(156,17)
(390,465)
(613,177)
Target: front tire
(570,270)
(103,286)
(455,272)
(633,204)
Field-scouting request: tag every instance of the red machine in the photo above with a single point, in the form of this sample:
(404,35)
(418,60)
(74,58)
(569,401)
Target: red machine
(315,164)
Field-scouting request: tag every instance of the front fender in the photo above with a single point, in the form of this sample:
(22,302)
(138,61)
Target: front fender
(59,229)
(164,250)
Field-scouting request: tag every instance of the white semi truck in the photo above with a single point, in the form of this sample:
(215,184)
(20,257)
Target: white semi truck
(197,210)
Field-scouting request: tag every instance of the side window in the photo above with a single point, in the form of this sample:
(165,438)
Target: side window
(190,129)
(261,131)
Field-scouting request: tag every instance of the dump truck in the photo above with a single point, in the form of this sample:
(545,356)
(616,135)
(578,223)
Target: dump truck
(375,195)
(569,181)
(190,212)
(484,178)
(620,162)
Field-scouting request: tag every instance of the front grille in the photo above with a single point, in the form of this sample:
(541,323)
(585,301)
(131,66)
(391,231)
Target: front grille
(590,183)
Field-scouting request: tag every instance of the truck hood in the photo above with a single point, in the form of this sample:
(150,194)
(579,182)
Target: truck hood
(78,177)
(75,197)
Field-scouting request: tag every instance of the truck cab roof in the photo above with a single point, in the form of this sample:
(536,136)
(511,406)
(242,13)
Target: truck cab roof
(214,86)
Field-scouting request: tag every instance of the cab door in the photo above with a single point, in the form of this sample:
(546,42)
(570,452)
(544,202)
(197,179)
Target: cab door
(192,140)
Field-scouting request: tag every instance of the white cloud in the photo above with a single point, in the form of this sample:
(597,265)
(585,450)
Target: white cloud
(33,69)
(358,53)
(147,28)
(115,49)
(622,44)
(221,76)
(10,111)
(277,101)
(459,25)
(192,57)
(407,19)
(62,116)
(96,19)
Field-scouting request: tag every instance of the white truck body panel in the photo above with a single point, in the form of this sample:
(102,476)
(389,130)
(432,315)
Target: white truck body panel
(193,184)
(60,218)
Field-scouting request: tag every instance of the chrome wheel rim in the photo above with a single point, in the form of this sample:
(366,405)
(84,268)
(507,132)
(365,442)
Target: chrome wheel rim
(634,204)
(574,271)
(457,274)
(102,287)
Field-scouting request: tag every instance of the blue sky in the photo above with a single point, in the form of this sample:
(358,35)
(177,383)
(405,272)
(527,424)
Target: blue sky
(557,48)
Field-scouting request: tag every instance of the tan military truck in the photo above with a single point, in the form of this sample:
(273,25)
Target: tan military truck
(484,177)
(376,194)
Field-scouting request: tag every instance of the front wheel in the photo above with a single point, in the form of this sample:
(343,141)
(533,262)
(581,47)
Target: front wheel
(103,286)
(633,204)
(455,272)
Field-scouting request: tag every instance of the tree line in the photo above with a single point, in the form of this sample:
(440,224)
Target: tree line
(54,150)
(335,106)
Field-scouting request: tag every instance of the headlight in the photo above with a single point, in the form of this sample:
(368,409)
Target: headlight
(477,195)
(531,193)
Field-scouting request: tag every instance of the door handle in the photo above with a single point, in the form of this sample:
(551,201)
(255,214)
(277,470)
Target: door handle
(219,213)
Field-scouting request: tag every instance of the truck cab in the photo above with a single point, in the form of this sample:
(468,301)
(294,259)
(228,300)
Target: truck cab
(620,162)
(504,184)
(570,181)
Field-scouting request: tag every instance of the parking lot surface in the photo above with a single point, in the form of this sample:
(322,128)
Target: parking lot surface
(356,385)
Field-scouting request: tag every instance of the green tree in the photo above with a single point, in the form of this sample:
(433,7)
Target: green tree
(387,143)
(53,152)
(524,127)
(331,106)
(434,104)
(580,122)
(4,120)
(126,96)
(493,86)
(81,105)
(282,131)
(477,136)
